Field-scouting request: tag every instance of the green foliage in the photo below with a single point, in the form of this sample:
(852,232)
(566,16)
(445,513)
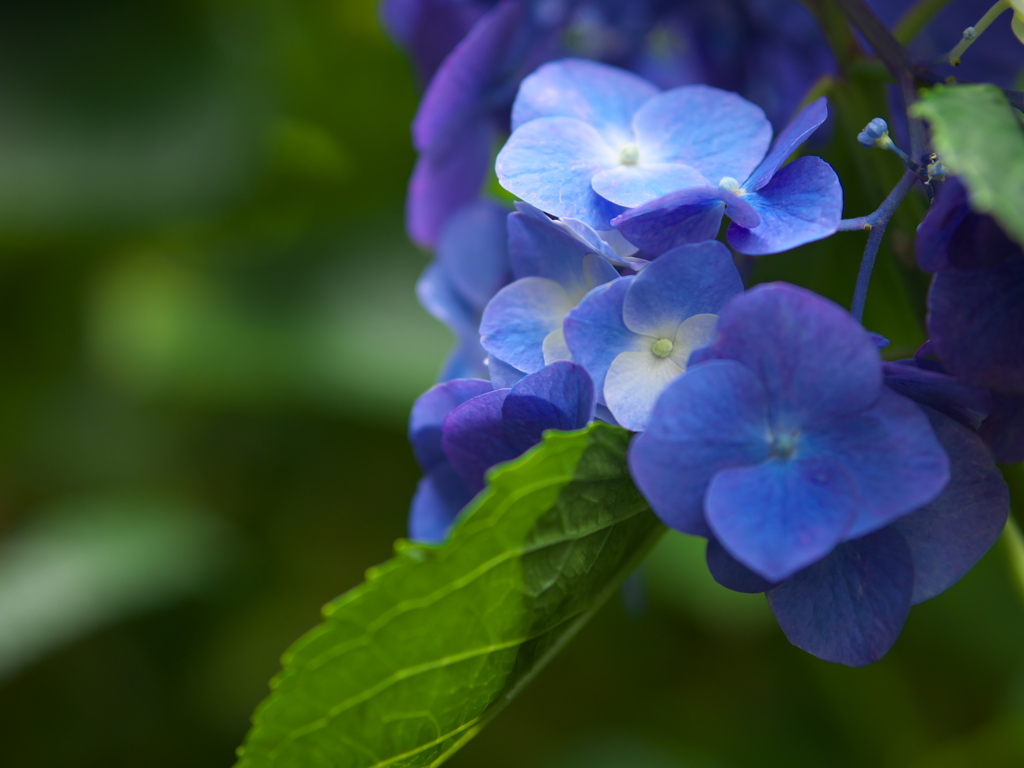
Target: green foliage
(411,664)
(979,137)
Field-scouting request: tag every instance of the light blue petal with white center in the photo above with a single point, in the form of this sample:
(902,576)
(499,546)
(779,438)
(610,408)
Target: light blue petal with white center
(603,96)
(716,132)
(520,317)
(688,280)
(695,332)
(633,185)
(549,163)
(633,383)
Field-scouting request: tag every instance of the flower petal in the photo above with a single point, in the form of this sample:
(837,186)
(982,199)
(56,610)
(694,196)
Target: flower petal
(474,440)
(712,417)
(633,383)
(1003,430)
(561,396)
(430,410)
(541,247)
(949,535)
(439,498)
(686,281)
(473,249)
(786,143)
(802,203)
(633,185)
(502,374)
(714,131)
(891,454)
(850,607)
(731,573)
(517,320)
(782,515)
(603,96)
(549,163)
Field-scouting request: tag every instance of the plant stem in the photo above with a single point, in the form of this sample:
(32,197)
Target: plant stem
(953,57)
(876,222)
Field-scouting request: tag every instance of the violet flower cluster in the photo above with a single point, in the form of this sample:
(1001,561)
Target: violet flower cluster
(843,487)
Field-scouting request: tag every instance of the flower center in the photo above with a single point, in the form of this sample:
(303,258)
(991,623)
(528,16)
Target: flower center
(629,154)
(662,347)
(784,445)
(729,184)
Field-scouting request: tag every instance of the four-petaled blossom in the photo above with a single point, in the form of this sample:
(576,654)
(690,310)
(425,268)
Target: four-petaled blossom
(635,335)
(463,427)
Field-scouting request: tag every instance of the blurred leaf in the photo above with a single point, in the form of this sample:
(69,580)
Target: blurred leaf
(411,664)
(1015,547)
(87,564)
(979,137)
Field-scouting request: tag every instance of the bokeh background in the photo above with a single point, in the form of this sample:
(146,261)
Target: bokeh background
(210,344)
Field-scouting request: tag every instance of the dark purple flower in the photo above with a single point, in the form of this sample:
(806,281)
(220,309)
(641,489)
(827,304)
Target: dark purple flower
(462,428)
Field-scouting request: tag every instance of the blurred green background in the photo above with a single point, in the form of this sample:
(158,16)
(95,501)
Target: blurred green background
(210,347)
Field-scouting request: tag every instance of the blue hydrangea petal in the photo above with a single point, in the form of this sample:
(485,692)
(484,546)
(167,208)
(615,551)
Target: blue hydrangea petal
(633,185)
(849,608)
(430,410)
(603,96)
(473,249)
(802,203)
(1003,430)
(519,317)
(595,333)
(540,247)
(716,132)
(891,454)
(786,143)
(814,359)
(731,573)
(468,360)
(474,440)
(712,417)
(561,396)
(438,295)
(946,394)
(439,498)
(656,230)
(949,535)
(976,323)
(555,348)
(632,385)
(549,163)
(445,181)
(502,374)
(780,516)
(688,280)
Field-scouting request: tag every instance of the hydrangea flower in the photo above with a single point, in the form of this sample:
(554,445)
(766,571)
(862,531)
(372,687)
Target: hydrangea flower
(462,428)
(555,267)
(976,309)
(774,209)
(635,335)
(471,265)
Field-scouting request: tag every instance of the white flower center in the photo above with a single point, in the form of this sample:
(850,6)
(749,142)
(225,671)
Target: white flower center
(629,154)
(662,347)
(729,184)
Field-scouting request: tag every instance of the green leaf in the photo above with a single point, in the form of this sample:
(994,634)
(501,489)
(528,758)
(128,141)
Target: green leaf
(411,664)
(979,137)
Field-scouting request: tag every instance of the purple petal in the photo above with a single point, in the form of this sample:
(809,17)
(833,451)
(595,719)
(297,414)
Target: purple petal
(657,230)
(439,498)
(686,281)
(633,185)
(976,323)
(949,535)
(782,515)
(891,455)
(802,203)
(520,317)
(968,405)
(712,417)
(603,96)
(445,181)
(785,144)
(473,251)
(731,573)
(430,410)
(429,29)
(716,132)
(474,440)
(549,163)
(540,247)
(1003,430)
(595,333)
(561,396)
(813,358)
(850,607)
